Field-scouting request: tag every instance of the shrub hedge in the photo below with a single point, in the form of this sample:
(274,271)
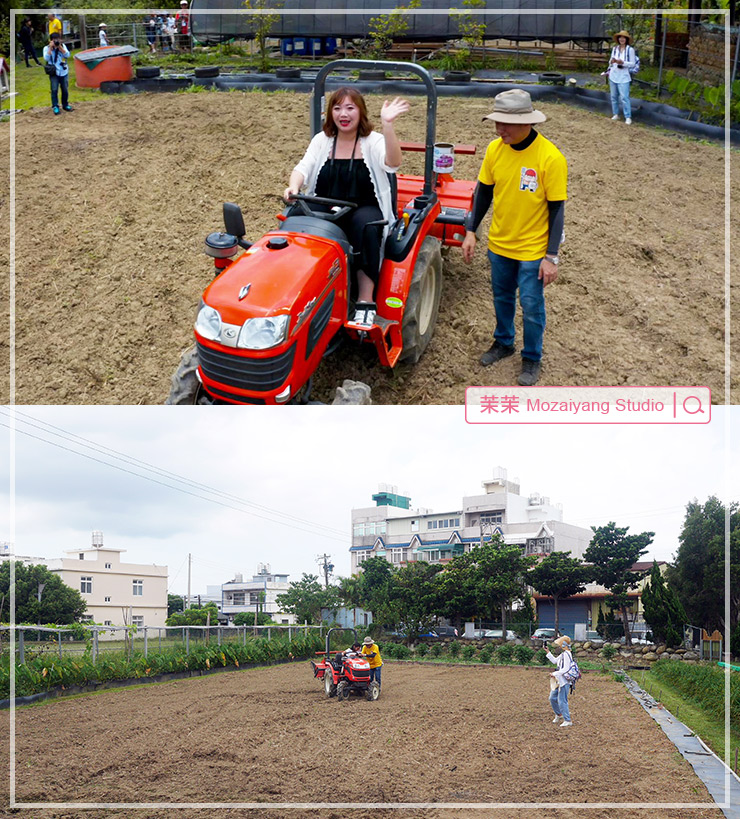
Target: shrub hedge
(43,673)
(702,684)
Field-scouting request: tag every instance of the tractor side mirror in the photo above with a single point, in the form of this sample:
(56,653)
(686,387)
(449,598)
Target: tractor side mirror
(234,220)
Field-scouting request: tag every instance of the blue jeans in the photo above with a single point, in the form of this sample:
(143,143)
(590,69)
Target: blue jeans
(621,90)
(559,702)
(56,84)
(506,275)
(375,675)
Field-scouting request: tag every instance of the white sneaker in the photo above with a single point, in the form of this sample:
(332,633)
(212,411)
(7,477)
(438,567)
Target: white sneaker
(556,719)
(628,121)
(364,317)
(566,724)
(615,117)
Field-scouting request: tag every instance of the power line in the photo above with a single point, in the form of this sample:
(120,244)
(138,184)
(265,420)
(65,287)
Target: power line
(293,523)
(117,455)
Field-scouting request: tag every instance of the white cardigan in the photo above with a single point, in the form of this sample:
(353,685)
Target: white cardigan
(372,148)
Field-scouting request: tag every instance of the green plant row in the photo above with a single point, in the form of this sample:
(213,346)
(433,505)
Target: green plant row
(503,654)
(43,673)
(703,685)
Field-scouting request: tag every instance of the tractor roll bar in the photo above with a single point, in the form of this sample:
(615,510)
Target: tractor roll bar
(382,65)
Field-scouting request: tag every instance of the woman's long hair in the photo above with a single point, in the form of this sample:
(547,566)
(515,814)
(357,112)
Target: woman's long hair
(364,127)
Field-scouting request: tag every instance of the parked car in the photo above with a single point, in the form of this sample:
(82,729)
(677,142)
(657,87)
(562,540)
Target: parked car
(637,639)
(544,634)
(495,634)
(446,631)
(593,636)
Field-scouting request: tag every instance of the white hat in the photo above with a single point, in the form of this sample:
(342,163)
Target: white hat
(102,25)
(183,2)
(515,107)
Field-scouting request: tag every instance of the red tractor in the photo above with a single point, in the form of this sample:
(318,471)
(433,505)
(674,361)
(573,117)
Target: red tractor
(271,314)
(344,672)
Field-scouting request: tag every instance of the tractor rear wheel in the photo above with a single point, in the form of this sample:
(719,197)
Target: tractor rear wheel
(329,685)
(422,304)
(373,691)
(343,690)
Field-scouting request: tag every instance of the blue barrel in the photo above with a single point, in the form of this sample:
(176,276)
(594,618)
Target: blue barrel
(314,46)
(300,46)
(286,46)
(330,45)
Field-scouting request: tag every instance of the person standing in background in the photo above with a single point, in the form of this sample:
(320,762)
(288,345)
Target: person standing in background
(183,25)
(55,26)
(103,35)
(56,54)
(25,35)
(621,61)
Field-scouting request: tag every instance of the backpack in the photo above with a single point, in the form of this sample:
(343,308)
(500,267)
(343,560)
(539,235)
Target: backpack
(636,67)
(573,674)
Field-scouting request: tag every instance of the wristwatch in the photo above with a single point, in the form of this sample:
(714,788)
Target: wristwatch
(553,259)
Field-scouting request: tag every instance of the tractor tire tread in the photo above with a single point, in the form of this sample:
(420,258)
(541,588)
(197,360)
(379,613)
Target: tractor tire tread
(414,341)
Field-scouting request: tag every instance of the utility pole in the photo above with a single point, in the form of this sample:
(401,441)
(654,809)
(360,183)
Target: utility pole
(326,567)
(190,567)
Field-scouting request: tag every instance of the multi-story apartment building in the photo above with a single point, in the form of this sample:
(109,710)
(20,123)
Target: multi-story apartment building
(116,593)
(392,530)
(261,591)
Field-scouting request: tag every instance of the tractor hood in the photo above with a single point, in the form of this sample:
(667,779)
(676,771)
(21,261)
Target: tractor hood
(282,274)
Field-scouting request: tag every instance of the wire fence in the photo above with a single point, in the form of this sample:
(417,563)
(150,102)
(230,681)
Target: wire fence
(97,641)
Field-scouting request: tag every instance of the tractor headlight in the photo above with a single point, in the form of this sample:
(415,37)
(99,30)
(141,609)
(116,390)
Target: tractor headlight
(263,333)
(208,323)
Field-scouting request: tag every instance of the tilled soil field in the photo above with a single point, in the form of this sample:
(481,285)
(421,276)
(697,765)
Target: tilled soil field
(437,734)
(114,201)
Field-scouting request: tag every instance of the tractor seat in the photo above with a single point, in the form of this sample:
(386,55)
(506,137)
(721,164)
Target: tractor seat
(315,226)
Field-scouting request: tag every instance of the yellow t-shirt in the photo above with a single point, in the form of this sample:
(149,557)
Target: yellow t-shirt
(55,26)
(375,661)
(523,183)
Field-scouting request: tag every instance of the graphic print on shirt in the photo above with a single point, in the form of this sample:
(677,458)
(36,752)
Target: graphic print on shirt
(528,180)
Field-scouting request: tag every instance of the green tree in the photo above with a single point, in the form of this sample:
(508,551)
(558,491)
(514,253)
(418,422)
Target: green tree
(457,590)
(698,571)
(59,604)
(350,594)
(472,29)
(246,618)
(306,597)
(559,576)
(385,28)
(613,553)
(175,603)
(195,616)
(663,610)
(499,577)
(376,582)
(415,597)
(261,24)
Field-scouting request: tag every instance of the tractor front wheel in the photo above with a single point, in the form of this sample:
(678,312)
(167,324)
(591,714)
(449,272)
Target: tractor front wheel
(373,691)
(343,690)
(330,686)
(186,389)
(422,304)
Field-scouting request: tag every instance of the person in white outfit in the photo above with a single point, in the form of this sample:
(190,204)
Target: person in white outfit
(621,61)
(349,161)
(103,35)
(559,686)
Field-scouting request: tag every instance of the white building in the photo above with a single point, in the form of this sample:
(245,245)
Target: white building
(116,593)
(261,591)
(392,530)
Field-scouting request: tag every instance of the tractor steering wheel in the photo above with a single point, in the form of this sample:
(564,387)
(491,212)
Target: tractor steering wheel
(304,201)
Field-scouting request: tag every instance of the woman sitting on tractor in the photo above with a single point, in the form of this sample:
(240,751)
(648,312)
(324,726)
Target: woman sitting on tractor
(349,161)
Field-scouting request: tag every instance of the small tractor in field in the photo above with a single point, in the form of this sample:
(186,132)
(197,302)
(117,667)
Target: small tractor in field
(344,673)
(273,313)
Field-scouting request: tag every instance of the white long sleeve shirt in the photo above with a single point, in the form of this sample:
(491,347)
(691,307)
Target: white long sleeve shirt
(563,662)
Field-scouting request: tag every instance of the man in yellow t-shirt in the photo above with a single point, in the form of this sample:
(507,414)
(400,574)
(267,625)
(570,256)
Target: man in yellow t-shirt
(526,177)
(55,25)
(372,652)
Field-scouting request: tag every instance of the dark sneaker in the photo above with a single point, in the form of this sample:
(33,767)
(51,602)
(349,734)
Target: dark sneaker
(496,353)
(529,375)
(68,108)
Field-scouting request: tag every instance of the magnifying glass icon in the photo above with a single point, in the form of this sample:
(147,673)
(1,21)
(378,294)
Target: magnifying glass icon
(694,411)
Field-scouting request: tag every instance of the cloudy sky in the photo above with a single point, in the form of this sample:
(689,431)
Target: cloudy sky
(239,486)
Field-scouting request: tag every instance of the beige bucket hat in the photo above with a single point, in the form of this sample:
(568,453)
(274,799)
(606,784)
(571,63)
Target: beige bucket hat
(515,107)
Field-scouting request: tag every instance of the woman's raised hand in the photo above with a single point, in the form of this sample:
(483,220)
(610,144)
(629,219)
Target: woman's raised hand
(392,110)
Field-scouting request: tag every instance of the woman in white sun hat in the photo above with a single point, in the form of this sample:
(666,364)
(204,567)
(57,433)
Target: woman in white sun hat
(103,35)
(558,684)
